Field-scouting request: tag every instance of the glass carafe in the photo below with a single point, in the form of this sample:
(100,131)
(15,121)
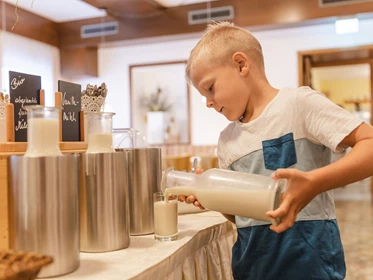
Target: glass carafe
(99,132)
(43,130)
(125,138)
(228,192)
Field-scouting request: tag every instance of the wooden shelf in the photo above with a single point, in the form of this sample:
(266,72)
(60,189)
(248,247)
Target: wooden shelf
(12,148)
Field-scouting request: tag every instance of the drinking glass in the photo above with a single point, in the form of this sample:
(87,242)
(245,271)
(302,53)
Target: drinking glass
(165,217)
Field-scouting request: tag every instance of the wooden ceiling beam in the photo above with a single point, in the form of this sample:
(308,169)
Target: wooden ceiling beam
(173,21)
(29,25)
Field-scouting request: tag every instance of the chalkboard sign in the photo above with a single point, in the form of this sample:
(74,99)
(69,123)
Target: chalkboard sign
(24,90)
(71,104)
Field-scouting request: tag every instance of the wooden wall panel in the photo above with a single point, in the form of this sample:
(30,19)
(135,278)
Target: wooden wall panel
(79,62)
(30,25)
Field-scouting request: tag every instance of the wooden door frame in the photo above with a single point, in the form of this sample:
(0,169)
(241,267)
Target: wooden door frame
(335,57)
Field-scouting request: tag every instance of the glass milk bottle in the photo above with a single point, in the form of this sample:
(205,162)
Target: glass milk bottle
(228,192)
(99,132)
(42,131)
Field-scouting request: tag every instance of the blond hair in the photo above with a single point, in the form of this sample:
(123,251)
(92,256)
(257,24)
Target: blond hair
(220,41)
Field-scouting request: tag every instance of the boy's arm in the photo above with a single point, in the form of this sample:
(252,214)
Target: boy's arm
(304,186)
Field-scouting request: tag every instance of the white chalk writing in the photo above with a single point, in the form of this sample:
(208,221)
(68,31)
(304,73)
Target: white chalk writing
(69,116)
(22,124)
(26,100)
(16,83)
(71,101)
(22,112)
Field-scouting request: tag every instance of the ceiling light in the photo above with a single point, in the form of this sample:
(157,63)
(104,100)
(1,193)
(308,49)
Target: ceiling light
(174,3)
(347,25)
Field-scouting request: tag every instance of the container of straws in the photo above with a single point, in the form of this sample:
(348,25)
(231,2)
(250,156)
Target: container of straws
(93,98)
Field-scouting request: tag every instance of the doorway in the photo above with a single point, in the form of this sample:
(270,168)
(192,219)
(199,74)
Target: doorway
(346,77)
(359,59)
(347,86)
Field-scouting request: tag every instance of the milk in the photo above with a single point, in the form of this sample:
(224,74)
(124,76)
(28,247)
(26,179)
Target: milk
(165,218)
(2,130)
(43,137)
(246,203)
(100,143)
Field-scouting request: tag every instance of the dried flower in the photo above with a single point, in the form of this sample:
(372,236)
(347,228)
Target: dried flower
(155,102)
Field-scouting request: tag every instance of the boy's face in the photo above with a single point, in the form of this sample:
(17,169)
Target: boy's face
(224,88)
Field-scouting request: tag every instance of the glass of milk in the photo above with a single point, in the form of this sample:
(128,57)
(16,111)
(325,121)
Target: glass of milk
(43,130)
(99,132)
(165,217)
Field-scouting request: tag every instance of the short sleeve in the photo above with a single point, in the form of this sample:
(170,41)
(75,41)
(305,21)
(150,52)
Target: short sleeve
(222,148)
(221,162)
(323,121)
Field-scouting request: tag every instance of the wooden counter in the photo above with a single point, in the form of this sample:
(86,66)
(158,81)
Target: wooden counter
(19,148)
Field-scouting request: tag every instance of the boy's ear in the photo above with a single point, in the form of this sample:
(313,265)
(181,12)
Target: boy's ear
(241,62)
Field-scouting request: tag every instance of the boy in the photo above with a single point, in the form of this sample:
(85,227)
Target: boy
(286,133)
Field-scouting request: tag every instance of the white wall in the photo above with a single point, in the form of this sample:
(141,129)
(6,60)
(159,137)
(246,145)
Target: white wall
(28,56)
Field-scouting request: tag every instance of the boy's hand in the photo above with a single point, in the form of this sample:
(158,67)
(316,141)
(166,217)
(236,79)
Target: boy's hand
(192,199)
(301,189)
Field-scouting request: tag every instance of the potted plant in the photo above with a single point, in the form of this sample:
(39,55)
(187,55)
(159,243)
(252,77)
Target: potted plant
(156,117)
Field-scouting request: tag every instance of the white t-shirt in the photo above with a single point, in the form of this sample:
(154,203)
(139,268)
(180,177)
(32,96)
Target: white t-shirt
(299,128)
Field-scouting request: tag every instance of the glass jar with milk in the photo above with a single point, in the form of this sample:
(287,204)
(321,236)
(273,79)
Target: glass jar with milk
(99,132)
(228,192)
(43,130)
